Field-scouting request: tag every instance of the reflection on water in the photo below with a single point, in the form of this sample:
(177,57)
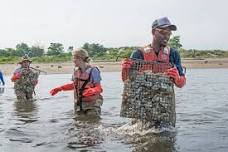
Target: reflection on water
(84,134)
(26,111)
(49,123)
(154,143)
(2,89)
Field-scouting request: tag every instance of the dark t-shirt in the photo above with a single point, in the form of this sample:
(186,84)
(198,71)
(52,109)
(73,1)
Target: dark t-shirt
(174,59)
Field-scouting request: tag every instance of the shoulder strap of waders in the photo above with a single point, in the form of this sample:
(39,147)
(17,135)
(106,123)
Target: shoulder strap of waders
(83,88)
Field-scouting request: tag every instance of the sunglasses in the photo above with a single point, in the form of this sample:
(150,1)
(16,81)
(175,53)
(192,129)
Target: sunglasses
(164,31)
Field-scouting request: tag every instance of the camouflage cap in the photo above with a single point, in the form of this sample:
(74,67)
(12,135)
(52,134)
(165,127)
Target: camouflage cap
(163,23)
(25,58)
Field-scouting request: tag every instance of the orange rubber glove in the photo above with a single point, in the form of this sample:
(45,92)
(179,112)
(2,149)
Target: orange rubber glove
(174,74)
(66,87)
(15,76)
(126,65)
(36,82)
(92,91)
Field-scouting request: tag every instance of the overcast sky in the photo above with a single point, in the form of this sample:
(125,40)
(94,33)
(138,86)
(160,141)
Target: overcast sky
(202,24)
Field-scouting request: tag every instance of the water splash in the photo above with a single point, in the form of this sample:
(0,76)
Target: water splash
(142,128)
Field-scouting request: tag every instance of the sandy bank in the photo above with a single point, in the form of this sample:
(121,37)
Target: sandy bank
(60,68)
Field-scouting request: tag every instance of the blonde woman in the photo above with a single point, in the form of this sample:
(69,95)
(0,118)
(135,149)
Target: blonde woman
(86,85)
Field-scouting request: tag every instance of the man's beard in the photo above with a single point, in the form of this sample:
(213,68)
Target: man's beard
(163,43)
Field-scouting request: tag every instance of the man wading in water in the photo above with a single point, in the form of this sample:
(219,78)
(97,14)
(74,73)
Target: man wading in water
(154,65)
(25,79)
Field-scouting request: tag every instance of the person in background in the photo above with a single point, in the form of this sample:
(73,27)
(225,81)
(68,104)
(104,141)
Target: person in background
(86,83)
(1,78)
(25,79)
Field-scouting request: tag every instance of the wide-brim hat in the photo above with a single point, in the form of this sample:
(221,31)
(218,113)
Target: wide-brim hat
(24,59)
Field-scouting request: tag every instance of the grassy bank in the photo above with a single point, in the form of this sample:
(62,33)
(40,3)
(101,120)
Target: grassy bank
(114,56)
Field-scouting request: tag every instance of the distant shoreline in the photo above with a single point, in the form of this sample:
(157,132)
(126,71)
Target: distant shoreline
(67,67)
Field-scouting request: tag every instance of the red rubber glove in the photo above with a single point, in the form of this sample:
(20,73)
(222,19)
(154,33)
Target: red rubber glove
(126,65)
(15,76)
(36,82)
(174,74)
(92,91)
(66,87)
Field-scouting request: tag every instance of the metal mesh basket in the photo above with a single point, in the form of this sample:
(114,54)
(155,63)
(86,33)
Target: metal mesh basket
(148,93)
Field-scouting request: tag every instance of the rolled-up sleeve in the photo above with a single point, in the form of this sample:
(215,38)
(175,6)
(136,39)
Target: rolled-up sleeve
(95,76)
(137,54)
(176,60)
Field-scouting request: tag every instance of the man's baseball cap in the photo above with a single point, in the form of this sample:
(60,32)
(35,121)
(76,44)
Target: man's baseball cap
(163,23)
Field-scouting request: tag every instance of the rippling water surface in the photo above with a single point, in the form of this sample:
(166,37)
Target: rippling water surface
(48,124)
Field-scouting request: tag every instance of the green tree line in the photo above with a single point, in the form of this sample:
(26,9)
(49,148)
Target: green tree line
(55,52)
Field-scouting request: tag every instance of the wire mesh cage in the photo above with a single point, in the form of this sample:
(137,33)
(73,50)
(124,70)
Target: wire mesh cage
(148,93)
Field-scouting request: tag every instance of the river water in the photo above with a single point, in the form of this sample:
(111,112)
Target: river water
(49,123)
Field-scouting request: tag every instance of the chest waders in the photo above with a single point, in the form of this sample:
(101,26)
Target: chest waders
(82,89)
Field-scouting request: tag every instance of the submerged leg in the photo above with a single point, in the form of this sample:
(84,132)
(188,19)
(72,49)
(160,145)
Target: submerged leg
(21,96)
(29,96)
